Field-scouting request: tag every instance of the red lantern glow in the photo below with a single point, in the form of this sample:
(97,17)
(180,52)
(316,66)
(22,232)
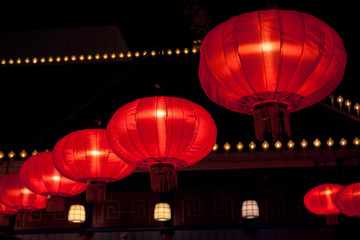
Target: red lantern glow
(39,174)
(162,134)
(347,200)
(5,210)
(270,63)
(85,156)
(320,200)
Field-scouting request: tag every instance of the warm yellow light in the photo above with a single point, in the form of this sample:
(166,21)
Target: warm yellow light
(278,145)
(215,147)
(252,146)
(81,57)
(113,55)
(169,51)
(137,54)
(11,154)
(89,57)
(357,108)
(177,51)
(330,142)
(186,51)
(2,155)
(194,50)
(27,60)
(3,61)
(77,214)
(34,153)
(291,145)
(105,56)
(95,153)
(239,146)
(58,59)
(317,143)
(18,61)
(66,58)
(121,55)
(227,147)
(340,100)
(160,113)
(51,59)
(162,212)
(56,178)
(343,142)
(153,53)
(97,56)
(73,58)
(35,60)
(144,53)
(129,54)
(348,104)
(265,145)
(304,144)
(11,61)
(23,154)
(356,142)
(42,60)
(250,209)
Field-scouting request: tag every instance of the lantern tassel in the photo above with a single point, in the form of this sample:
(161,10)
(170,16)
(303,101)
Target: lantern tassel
(55,204)
(96,191)
(21,217)
(163,177)
(271,118)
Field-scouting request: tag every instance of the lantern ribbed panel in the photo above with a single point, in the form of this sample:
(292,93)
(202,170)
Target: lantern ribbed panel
(85,156)
(347,200)
(5,210)
(273,55)
(320,200)
(15,195)
(162,129)
(39,174)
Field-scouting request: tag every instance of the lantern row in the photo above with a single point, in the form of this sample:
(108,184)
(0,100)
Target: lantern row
(95,57)
(290,144)
(347,103)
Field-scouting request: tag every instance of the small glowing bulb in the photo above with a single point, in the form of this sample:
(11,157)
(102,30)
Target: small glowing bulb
(34,153)
(2,155)
(340,100)
(137,54)
(186,51)
(317,143)
(265,145)
(42,60)
(129,54)
(153,53)
(343,142)
(121,55)
(252,146)
(113,55)
(97,56)
(73,58)
(81,57)
(356,142)
(66,58)
(23,154)
(330,143)
(3,61)
(56,178)
(89,57)
(194,50)
(278,145)
(304,144)
(348,105)
(18,61)
(144,53)
(11,61)
(11,154)
(169,52)
(239,146)
(215,147)
(177,51)
(291,145)
(357,108)
(27,60)
(51,59)
(35,60)
(105,56)
(227,147)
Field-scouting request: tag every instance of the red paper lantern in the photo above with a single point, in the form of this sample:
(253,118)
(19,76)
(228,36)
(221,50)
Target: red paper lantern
(347,200)
(162,134)
(39,174)
(320,200)
(270,63)
(15,195)
(85,156)
(5,210)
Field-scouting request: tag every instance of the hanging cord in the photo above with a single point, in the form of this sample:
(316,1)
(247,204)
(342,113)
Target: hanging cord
(102,91)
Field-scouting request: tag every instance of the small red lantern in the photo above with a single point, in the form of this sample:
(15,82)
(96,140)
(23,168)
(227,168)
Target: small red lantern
(162,134)
(320,200)
(269,63)
(5,210)
(85,156)
(15,195)
(39,174)
(347,200)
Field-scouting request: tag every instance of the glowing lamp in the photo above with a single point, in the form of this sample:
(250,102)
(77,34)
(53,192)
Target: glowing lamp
(347,200)
(340,101)
(252,146)
(343,142)
(162,212)
(250,209)
(303,144)
(291,145)
(356,142)
(77,213)
(227,147)
(239,146)
(317,143)
(215,147)
(330,143)
(278,145)
(265,145)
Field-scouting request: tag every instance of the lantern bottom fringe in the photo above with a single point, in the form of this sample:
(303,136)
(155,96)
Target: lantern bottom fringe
(271,119)
(332,220)
(96,191)
(22,217)
(55,204)
(163,177)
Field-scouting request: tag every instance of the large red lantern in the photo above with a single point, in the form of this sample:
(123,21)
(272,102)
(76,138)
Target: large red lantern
(320,200)
(269,63)
(347,200)
(5,210)
(39,174)
(162,134)
(15,195)
(86,156)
